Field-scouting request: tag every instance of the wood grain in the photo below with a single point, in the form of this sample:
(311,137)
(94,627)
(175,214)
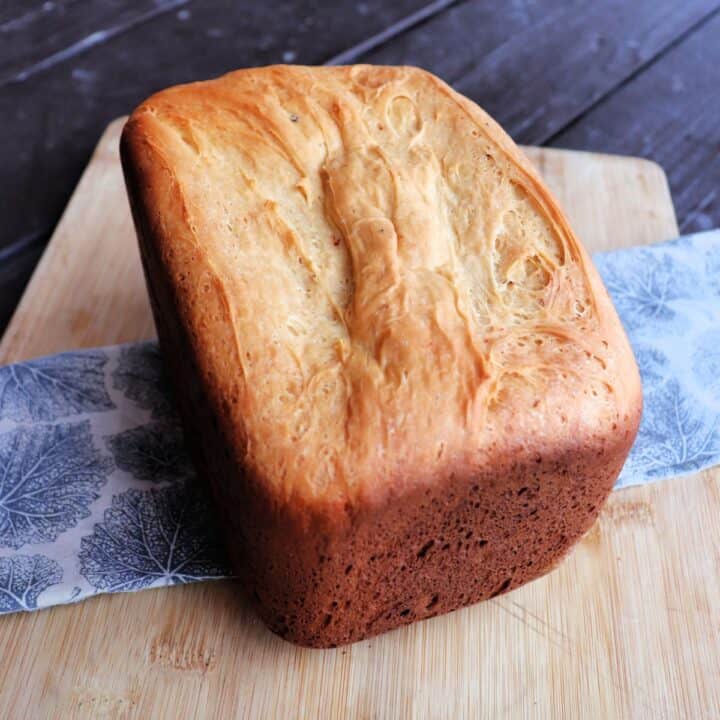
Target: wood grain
(682,133)
(42,34)
(626,627)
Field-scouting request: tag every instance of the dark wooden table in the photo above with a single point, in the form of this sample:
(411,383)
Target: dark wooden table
(639,77)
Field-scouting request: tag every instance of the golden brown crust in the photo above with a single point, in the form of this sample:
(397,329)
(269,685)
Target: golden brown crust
(374,299)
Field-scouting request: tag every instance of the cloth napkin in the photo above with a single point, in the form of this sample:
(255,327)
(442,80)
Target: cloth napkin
(97,493)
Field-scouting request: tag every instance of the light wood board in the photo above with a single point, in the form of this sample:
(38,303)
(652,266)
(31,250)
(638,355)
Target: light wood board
(627,627)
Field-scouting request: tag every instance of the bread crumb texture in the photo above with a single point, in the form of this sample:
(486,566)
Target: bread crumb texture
(404,295)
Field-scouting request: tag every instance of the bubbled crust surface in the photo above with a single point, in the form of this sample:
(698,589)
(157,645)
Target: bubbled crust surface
(379,300)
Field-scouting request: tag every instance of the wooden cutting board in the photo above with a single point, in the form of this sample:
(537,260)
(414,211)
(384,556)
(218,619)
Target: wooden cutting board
(627,627)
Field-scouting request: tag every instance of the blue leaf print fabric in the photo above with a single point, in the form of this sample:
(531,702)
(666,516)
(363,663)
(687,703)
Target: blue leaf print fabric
(677,436)
(49,476)
(644,293)
(139,374)
(97,493)
(154,452)
(668,298)
(54,387)
(23,578)
(153,537)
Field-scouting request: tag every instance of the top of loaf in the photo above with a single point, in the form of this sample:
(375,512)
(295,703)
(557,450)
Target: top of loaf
(378,286)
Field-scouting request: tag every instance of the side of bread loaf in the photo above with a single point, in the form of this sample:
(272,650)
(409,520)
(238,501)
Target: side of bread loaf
(397,367)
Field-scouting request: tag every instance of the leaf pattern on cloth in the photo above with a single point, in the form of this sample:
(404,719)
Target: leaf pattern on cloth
(140,376)
(154,537)
(652,364)
(668,298)
(706,361)
(675,435)
(643,293)
(23,578)
(54,387)
(712,269)
(154,452)
(49,476)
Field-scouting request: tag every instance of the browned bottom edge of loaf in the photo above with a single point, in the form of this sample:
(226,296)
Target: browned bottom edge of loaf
(459,541)
(463,540)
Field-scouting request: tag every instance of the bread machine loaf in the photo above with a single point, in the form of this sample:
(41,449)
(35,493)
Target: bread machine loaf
(396,365)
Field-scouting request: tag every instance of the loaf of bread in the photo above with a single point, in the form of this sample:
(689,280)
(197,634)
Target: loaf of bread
(397,367)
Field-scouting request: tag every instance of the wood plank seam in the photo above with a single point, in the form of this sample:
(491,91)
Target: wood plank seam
(89,41)
(641,68)
(396,29)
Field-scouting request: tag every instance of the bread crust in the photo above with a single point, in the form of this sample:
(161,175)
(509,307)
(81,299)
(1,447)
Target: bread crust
(432,453)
